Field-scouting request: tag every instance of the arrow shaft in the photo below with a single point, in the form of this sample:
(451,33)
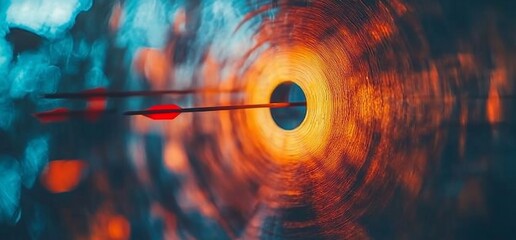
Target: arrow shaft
(123,94)
(219,108)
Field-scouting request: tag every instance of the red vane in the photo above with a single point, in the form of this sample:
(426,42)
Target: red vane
(64,114)
(163,116)
(56,115)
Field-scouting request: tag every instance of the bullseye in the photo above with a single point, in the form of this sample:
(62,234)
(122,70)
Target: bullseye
(288,118)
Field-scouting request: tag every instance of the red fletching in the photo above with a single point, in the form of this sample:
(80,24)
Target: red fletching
(56,115)
(64,114)
(163,116)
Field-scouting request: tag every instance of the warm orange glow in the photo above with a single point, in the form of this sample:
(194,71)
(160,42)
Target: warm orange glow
(380,29)
(500,83)
(62,175)
(155,66)
(399,6)
(305,68)
(494,107)
(118,228)
(175,157)
(141,124)
(116,15)
(107,224)
(179,21)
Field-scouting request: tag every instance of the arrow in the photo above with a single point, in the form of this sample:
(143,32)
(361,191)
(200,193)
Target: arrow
(171,111)
(64,114)
(103,93)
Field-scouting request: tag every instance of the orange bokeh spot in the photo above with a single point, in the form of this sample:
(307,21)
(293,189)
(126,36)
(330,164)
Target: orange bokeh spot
(62,175)
(118,228)
(116,17)
(154,65)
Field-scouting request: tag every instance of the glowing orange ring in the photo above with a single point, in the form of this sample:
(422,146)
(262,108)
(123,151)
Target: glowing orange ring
(303,67)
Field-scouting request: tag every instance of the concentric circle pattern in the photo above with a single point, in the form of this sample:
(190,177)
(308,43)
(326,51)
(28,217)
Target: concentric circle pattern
(364,137)
(166,119)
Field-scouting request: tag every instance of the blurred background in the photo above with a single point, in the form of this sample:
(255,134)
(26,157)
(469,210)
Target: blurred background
(409,130)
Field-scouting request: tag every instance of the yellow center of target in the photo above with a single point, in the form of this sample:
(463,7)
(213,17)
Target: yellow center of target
(304,68)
